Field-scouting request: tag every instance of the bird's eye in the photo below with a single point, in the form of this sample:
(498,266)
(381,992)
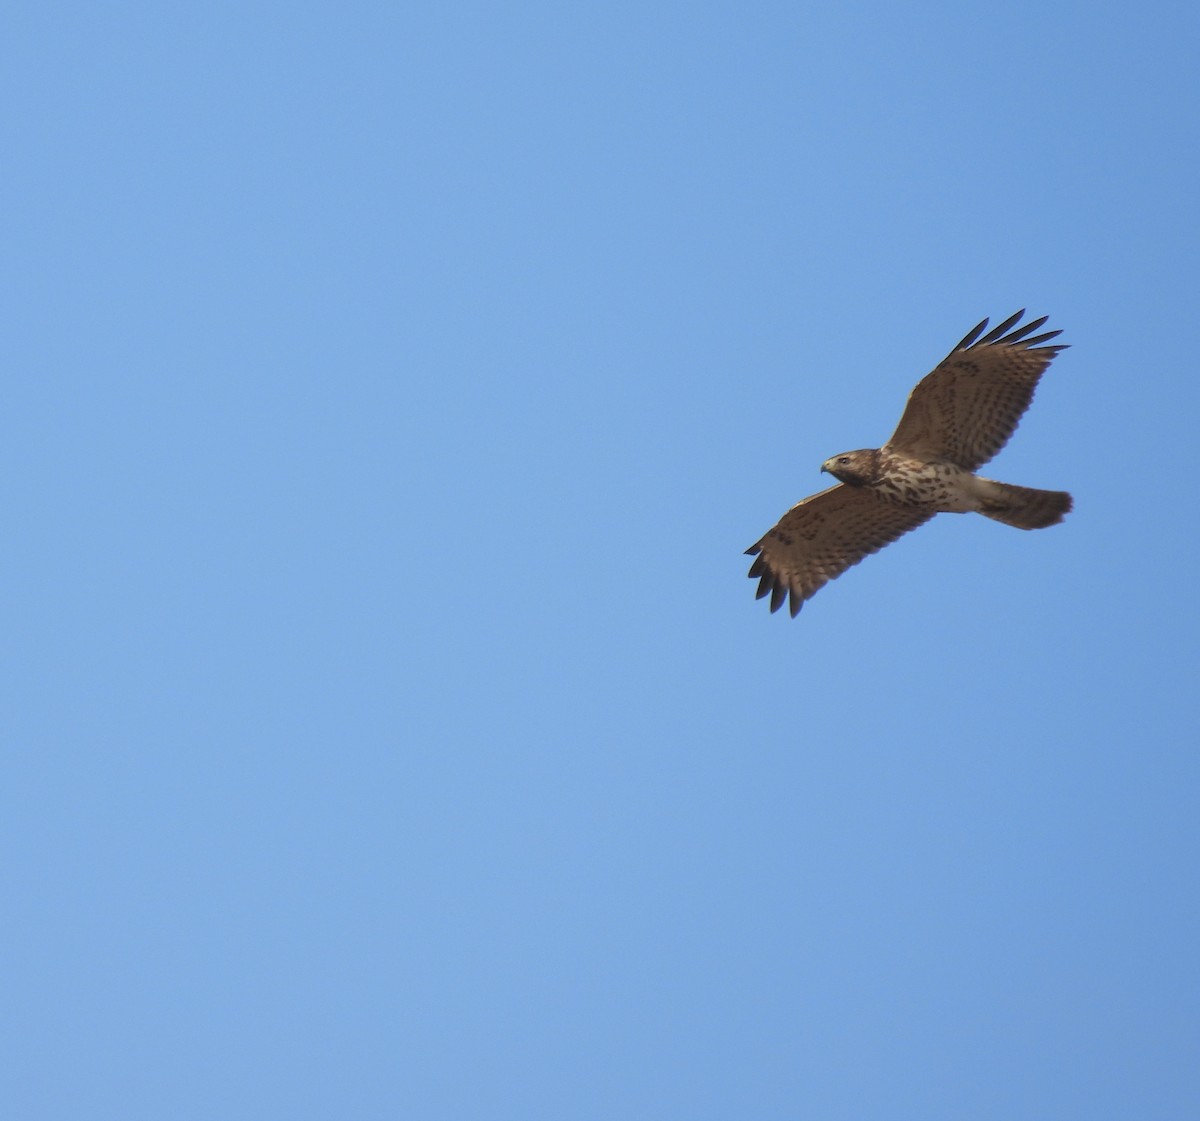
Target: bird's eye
(843,459)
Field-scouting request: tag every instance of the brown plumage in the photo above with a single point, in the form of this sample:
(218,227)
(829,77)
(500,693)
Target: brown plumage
(956,419)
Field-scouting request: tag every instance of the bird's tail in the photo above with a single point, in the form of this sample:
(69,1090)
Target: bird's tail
(1023,507)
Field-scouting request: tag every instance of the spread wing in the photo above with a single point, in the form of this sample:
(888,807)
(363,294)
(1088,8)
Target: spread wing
(969,406)
(823,536)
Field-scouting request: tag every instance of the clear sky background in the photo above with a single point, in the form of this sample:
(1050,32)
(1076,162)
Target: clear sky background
(389,727)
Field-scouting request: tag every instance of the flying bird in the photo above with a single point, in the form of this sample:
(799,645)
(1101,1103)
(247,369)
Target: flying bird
(956,419)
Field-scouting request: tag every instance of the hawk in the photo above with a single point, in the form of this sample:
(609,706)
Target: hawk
(956,419)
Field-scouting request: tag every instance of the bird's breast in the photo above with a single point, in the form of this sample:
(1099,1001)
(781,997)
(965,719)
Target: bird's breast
(942,487)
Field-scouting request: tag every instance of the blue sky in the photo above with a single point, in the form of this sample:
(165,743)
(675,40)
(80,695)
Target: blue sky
(390,730)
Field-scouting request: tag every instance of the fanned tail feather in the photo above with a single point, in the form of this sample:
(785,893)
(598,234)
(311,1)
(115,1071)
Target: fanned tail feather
(1024,507)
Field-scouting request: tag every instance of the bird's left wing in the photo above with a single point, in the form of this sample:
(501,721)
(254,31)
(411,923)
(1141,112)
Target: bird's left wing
(968,407)
(818,539)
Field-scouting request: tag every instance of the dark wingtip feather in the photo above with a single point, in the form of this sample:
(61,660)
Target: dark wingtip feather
(797,602)
(754,549)
(778,595)
(1028,343)
(972,335)
(764,586)
(757,568)
(996,332)
(1018,338)
(1028,329)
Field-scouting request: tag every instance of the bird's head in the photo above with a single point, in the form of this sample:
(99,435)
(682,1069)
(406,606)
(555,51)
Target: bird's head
(858,469)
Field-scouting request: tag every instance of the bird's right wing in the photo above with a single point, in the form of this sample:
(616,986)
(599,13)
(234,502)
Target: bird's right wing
(818,539)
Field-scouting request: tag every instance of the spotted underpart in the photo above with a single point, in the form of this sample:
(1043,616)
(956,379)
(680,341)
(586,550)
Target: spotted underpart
(944,488)
(956,419)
